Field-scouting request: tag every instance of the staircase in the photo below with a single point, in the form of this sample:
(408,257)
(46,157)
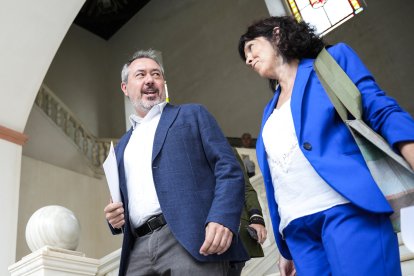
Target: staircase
(267,264)
(93,148)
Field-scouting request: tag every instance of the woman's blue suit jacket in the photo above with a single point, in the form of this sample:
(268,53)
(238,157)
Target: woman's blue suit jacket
(197,179)
(330,148)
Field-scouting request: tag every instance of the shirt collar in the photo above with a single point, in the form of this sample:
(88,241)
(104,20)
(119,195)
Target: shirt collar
(155,110)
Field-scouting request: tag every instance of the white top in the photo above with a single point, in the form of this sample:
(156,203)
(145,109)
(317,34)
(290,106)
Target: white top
(142,197)
(299,190)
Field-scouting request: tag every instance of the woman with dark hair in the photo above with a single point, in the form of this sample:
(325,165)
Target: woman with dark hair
(328,214)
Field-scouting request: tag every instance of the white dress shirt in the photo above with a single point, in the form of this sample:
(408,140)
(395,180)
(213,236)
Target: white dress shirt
(299,190)
(142,197)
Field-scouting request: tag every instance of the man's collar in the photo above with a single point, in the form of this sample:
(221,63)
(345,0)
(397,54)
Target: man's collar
(156,109)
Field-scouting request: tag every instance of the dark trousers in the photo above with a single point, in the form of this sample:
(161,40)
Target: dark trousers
(235,269)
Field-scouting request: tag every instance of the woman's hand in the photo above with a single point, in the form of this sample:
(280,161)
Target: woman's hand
(407,151)
(286,267)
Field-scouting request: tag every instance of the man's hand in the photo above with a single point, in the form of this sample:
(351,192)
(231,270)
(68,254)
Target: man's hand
(286,267)
(114,213)
(218,239)
(261,232)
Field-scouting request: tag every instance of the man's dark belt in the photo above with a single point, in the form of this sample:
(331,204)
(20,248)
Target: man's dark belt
(153,223)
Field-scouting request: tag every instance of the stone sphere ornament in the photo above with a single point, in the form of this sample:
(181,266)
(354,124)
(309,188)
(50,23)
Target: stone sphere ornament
(55,226)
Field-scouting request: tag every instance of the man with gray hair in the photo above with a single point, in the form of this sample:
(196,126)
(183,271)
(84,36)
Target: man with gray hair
(182,188)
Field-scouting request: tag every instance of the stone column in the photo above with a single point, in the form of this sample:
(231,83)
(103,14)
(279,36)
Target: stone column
(10,159)
(30,34)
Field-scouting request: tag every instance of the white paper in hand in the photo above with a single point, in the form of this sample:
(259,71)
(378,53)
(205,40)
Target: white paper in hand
(407,227)
(110,167)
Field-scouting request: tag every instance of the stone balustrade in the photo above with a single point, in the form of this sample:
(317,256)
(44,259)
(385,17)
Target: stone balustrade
(95,149)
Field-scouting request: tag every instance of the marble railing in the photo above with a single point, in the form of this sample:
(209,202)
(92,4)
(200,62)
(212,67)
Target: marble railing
(95,149)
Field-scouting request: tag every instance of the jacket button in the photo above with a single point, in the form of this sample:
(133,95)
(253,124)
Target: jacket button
(307,146)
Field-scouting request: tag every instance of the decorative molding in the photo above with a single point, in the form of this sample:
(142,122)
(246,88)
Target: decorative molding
(55,261)
(13,136)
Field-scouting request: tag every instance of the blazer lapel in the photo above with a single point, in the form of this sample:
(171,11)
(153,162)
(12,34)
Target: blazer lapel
(260,149)
(271,106)
(119,153)
(168,116)
(122,145)
(302,77)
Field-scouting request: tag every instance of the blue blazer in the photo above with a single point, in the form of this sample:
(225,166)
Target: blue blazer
(333,152)
(197,179)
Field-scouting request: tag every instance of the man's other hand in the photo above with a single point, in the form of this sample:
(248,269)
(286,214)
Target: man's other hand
(261,232)
(114,213)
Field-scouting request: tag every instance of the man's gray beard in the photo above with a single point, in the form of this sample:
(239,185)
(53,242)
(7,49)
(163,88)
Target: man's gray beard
(146,106)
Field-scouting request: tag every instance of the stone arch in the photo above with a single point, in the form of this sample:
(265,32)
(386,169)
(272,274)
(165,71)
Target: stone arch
(30,34)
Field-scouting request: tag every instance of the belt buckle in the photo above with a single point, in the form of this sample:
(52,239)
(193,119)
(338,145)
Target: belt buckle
(149,224)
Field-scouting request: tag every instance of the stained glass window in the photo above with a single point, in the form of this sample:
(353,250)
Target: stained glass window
(324,15)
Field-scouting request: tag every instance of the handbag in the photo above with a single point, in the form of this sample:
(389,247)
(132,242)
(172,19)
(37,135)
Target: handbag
(391,172)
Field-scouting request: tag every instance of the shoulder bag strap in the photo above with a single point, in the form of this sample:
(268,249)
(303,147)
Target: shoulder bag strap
(343,93)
